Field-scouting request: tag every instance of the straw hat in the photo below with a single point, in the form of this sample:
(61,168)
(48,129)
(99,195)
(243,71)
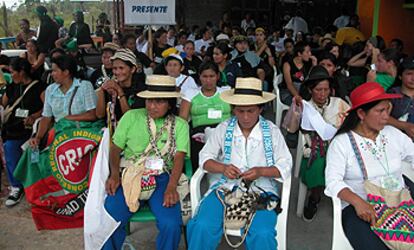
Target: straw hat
(369,92)
(160,86)
(248,91)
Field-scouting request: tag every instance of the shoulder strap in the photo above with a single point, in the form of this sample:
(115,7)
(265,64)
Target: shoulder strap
(182,82)
(71,99)
(358,155)
(21,97)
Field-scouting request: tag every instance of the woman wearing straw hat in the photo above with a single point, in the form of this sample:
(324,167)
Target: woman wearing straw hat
(255,151)
(164,153)
(121,90)
(365,149)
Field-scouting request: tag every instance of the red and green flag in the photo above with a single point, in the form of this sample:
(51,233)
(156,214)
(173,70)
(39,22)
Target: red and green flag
(57,185)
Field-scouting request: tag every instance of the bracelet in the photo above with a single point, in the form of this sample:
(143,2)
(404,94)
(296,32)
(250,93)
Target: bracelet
(119,97)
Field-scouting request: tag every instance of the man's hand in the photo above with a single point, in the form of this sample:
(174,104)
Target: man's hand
(232,172)
(112,184)
(171,196)
(252,174)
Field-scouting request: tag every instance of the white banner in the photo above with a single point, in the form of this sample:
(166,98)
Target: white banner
(149,12)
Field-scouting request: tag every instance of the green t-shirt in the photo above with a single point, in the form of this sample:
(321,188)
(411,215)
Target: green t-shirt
(385,80)
(208,110)
(132,134)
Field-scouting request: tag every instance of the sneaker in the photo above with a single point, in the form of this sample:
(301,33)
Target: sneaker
(310,210)
(15,196)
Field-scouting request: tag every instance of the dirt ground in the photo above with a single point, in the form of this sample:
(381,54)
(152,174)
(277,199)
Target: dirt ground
(18,230)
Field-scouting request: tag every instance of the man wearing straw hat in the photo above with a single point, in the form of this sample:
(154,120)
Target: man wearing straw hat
(245,147)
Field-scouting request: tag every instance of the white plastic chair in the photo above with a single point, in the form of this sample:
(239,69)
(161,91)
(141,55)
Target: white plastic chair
(303,190)
(339,240)
(281,225)
(280,107)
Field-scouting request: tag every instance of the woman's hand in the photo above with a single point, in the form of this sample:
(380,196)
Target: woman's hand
(232,172)
(365,211)
(112,184)
(371,76)
(252,174)
(112,87)
(171,196)
(34,142)
(314,60)
(28,121)
(297,100)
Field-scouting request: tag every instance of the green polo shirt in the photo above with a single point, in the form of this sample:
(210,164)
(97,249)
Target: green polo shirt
(132,134)
(385,80)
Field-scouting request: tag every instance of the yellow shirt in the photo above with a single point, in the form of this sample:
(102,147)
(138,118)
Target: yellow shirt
(349,36)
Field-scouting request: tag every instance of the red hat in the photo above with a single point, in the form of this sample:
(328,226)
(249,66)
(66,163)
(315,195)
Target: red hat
(369,92)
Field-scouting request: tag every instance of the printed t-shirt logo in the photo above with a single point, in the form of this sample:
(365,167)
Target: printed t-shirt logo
(70,159)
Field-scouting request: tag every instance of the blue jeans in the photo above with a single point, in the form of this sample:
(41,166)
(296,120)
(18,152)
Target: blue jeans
(13,152)
(205,230)
(168,219)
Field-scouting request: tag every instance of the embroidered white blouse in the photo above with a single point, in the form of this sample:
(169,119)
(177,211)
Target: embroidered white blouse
(381,157)
(248,153)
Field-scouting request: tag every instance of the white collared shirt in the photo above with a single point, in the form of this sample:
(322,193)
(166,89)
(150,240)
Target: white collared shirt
(342,168)
(248,153)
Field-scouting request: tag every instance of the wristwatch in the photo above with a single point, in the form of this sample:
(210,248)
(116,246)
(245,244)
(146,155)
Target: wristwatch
(119,97)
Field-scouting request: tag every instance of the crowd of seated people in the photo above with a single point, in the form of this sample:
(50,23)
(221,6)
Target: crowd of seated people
(220,78)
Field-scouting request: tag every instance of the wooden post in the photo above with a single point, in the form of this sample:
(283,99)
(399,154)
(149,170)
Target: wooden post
(150,46)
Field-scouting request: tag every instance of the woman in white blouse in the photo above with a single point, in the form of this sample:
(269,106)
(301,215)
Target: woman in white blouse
(382,148)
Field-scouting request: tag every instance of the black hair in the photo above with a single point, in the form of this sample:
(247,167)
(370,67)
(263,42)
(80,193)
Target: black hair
(66,62)
(224,48)
(325,55)
(331,28)
(159,33)
(299,48)
(288,40)
(170,58)
(172,102)
(57,50)
(329,46)
(181,34)
(189,41)
(128,36)
(4,60)
(34,42)
(119,35)
(317,30)
(26,21)
(399,43)
(235,27)
(208,65)
(352,120)
(204,30)
(391,54)
(380,43)
(22,64)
